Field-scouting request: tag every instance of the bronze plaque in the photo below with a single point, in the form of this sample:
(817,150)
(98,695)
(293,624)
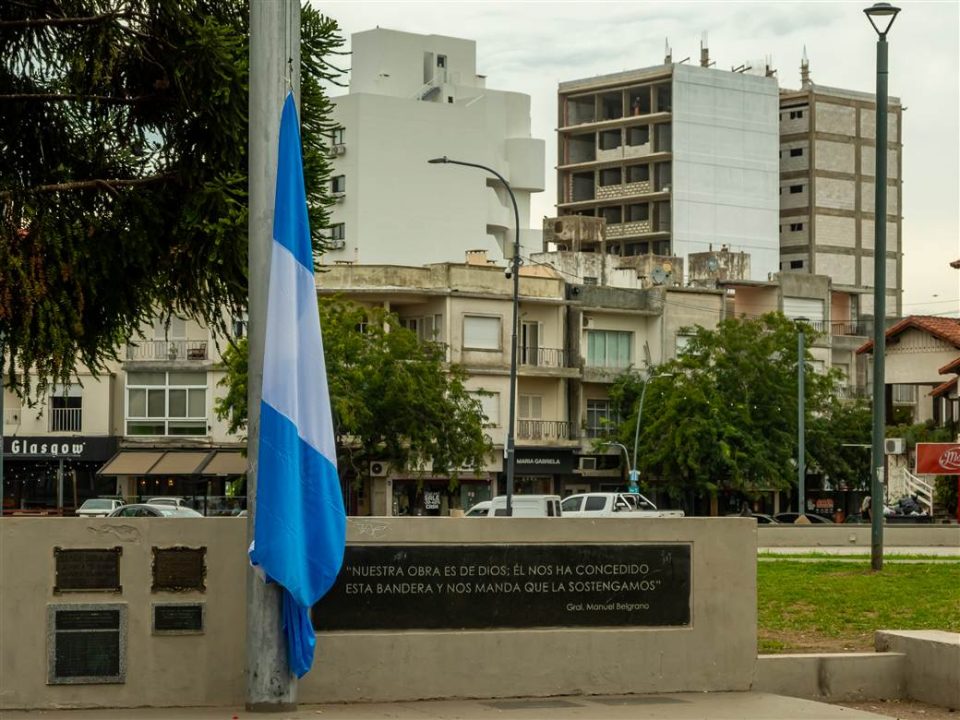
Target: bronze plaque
(178,618)
(179,569)
(87,570)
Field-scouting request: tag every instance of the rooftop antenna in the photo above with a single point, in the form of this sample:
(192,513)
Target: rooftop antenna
(805,70)
(770,71)
(667,52)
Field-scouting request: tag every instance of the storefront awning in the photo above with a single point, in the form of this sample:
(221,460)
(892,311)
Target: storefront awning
(131,462)
(176,462)
(226,462)
(179,463)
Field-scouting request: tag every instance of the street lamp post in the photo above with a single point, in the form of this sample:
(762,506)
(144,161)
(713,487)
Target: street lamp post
(881,16)
(634,473)
(801,418)
(510,450)
(626,456)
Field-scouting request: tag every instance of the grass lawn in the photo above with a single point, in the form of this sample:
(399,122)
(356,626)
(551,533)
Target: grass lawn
(836,606)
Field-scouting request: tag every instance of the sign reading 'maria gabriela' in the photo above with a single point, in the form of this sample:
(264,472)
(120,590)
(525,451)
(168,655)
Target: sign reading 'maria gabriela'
(938,459)
(403,587)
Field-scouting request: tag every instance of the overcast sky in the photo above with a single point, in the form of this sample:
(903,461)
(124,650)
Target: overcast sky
(530,47)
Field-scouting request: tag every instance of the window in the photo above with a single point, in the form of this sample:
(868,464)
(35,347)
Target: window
(441,61)
(338,184)
(794,189)
(336,136)
(638,173)
(796,152)
(638,212)
(609,348)
(166,403)
(338,231)
(176,330)
(66,408)
(610,139)
(610,176)
(481,332)
(530,407)
(426,328)
(490,406)
(796,227)
(595,502)
(796,114)
(613,215)
(682,342)
(904,394)
(601,418)
(796,264)
(571,504)
(639,135)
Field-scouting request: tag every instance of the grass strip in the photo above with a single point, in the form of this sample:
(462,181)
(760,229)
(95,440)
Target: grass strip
(836,606)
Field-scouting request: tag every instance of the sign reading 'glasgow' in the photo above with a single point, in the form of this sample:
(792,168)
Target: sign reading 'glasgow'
(391,587)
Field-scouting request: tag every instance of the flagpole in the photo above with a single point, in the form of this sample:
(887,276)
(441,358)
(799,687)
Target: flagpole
(274,71)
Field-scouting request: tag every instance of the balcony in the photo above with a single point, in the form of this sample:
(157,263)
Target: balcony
(65,419)
(168,350)
(543,357)
(851,329)
(544,430)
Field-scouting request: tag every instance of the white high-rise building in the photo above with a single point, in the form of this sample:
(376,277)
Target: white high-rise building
(415,97)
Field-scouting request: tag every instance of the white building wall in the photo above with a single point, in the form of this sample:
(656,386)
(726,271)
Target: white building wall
(726,165)
(399,209)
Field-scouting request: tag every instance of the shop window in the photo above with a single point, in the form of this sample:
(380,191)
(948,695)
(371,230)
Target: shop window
(166,403)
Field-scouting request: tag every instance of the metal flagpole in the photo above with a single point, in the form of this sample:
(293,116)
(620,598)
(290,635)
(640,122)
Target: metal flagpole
(274,71)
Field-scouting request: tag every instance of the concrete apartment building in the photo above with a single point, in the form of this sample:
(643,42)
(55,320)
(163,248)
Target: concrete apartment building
(574,341)
(827,165)
(144,427)
(677,159)
(413,98)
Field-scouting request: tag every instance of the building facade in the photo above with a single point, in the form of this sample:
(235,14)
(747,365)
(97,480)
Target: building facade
(827,168)
(413,98)
(677,159)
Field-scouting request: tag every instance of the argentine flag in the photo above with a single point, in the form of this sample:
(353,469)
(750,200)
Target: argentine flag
(299,525)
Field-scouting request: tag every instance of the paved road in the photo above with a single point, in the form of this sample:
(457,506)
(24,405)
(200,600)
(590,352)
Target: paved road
(675,706)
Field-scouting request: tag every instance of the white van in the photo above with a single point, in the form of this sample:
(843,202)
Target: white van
(526,506)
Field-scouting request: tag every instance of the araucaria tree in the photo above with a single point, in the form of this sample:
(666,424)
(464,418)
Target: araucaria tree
(393,396)
(726,414)
(123,181)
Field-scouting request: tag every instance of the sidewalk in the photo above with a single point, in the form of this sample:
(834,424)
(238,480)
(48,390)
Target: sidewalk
(674,706)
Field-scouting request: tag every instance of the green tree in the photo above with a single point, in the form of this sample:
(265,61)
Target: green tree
(726,415)
(123,186)
(393,397)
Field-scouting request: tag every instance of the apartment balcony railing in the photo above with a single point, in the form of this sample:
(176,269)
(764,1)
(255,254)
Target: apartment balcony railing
(543,357)
(167,350)
(544,430)
(854,391)
(856,329)
(65,419)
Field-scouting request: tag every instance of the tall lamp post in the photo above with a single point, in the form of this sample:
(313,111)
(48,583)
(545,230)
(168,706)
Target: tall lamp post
(626,456)
(634,473)
(510,450)
(801,419)
(881,15)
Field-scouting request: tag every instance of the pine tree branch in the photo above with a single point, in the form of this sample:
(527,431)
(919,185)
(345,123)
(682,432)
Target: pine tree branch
(47,22)
(68,97)
(104,184)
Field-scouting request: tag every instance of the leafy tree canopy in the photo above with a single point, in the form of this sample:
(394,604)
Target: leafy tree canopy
(123,186)
(725,415)
(393,397)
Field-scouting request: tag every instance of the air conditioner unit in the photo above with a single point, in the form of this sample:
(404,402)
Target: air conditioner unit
(337,244)
(338,196)
(337,150)
(378,468)
(588,463)
(894,446)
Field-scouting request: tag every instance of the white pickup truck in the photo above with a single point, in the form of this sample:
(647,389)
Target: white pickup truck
(612,504)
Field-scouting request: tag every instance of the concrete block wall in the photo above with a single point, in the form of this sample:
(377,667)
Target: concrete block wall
(931,663)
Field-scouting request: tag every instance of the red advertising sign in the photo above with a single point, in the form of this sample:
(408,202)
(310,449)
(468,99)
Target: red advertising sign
(938,459)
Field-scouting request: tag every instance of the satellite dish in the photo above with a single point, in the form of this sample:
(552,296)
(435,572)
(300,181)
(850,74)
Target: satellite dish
(712,264)
(658,275)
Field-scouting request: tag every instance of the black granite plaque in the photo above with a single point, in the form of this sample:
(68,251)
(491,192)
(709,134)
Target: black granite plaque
(179,569)
(87,570)
(177,618)
(87,644)
(390,587)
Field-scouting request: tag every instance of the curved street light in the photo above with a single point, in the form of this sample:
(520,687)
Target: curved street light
(634,473)
(510,450)
(881,16)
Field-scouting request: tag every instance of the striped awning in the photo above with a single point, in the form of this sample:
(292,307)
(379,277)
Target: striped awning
(189,462)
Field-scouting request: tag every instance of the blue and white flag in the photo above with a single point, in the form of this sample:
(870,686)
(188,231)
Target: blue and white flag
(300,524)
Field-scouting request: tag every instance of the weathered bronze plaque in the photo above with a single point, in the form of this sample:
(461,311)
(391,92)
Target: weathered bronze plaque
(179,569)
(390,587)
(178,617)
(87,646)
(87,570)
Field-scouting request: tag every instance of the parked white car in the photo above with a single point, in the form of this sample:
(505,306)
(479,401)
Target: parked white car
(611,504)
(481,509)
(98,507)
(526,506)
(167,501)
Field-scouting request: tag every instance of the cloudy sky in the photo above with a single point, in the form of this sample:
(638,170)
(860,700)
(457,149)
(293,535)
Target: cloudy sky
(530,47)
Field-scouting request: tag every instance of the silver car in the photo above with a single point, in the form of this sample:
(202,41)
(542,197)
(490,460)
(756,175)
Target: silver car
(98,507)
(145,510)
